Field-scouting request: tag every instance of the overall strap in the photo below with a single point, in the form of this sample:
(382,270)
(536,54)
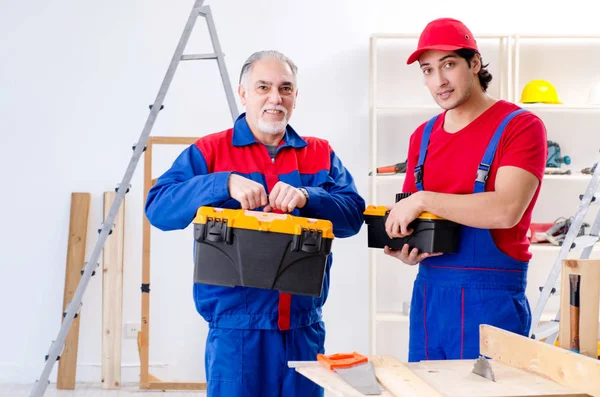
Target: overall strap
(423,152)
(484,167)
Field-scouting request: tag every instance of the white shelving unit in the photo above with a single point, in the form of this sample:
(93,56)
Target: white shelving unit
(399,102)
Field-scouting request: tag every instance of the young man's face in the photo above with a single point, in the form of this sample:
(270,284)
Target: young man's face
(269,95)
(448,77)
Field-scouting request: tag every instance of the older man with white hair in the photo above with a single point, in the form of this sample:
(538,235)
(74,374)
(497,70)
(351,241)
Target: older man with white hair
(260,164)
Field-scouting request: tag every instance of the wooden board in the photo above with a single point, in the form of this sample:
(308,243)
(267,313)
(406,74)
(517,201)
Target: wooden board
(455,379)
(147,380)
(400,380)
(78,224)
(164,386)
(112,297)
(452,378)
(146,230)
(329,380)
(577,371)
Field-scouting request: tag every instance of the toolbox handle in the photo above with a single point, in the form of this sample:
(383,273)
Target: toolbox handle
(265,216)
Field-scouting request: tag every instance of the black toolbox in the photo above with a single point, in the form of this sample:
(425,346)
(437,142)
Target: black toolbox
(261,250)
(430,232)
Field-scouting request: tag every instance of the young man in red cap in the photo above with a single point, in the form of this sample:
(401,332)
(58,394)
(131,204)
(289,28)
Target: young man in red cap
(479,163)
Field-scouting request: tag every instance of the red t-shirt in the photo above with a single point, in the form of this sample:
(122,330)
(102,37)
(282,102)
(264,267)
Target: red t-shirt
(452,160)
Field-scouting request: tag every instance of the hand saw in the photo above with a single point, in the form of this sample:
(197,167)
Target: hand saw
(355,369)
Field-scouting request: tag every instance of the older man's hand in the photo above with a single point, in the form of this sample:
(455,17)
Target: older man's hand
(249,193)
(285,198)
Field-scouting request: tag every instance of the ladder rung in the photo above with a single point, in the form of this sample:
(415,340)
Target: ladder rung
(203,11)
(194,57)
(592,200)
(545,330)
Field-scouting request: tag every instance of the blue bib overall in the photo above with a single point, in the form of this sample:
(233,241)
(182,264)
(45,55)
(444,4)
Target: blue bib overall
(454,293)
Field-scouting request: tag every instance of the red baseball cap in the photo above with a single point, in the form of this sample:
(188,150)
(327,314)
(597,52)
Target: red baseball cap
(444,34)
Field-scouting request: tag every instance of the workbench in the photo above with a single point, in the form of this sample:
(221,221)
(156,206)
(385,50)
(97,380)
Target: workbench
(522,367)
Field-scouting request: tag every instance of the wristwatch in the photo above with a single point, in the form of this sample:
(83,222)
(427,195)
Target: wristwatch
(304,192)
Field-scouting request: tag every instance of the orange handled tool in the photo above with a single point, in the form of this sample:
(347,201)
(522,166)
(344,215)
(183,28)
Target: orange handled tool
(341,360)
(574,280)
(355,369)
(391,169)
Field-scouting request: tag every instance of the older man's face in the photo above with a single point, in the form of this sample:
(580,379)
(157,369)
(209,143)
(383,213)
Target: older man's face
(269,96)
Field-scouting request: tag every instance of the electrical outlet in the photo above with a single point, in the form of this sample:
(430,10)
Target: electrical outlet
(132,329)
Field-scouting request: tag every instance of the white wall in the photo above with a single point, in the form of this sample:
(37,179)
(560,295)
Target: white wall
(76,79)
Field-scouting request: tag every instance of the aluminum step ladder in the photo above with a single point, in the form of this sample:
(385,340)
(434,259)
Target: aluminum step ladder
(122,188)
(549,330)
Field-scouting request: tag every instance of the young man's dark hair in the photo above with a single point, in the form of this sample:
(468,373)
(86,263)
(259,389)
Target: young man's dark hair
(484,75)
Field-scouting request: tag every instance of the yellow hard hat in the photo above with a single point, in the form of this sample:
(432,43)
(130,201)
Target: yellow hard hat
(539,91)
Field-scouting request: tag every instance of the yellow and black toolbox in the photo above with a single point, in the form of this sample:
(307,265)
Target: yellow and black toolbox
(430,232)
(261,249)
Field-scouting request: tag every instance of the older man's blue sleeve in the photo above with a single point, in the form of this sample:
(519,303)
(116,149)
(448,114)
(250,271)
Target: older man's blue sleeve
(337,199)
(172,203)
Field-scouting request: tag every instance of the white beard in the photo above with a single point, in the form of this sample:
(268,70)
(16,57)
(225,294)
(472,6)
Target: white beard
(272,128)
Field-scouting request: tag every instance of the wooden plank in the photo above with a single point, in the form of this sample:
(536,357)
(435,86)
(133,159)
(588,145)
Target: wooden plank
(564,331)
(172,140)
(144,334)
(147,381)
(78,224)
(151,378)
(589,307)
(176,386)
(454,378)
(332,382)
(400,380)
(579,372)
(112,297)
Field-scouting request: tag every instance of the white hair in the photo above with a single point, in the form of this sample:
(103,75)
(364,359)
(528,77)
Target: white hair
(267,54)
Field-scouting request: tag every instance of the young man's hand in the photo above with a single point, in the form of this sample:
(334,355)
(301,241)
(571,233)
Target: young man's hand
(411,257)
(285,197)
(250,194)
(402,213)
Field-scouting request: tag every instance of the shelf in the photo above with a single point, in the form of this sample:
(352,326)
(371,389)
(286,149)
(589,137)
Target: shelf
(560,107)
(416,36)
(392,109)
(558,37)
(391,177)
(396,317)
(529,106)
(575,176)
(547,247)
(548,316)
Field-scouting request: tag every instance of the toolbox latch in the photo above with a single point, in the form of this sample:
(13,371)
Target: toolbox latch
(308,241)
(216,230)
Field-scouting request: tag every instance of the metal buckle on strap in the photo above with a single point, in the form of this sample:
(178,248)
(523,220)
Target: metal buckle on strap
(482,173)
(418,174)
